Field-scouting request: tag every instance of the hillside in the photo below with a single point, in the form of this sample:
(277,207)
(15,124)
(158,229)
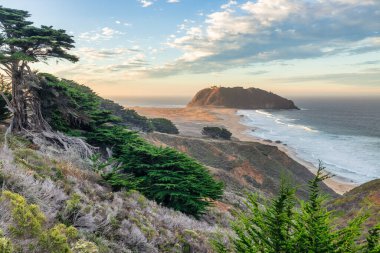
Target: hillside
(362,199)
(242,166)
(240,98)
(63,188)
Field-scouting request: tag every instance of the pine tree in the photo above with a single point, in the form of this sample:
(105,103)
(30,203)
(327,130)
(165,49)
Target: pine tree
(280,226)
(21,43)
(313,233)
(268,228)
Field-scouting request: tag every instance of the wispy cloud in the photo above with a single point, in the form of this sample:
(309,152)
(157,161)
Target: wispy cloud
(105,33)
(88,53)
(173,1)
(239,35)
(368,77)
(145,3)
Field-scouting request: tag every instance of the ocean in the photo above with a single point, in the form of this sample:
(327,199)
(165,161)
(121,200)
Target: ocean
(342,133)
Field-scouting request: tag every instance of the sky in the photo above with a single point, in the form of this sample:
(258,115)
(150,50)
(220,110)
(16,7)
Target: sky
(176,47)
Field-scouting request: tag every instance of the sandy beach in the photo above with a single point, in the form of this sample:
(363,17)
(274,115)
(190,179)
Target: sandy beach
(190,122)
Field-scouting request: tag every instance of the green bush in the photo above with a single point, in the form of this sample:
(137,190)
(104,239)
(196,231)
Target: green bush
(6,245)
(280,226)
(27,218)
(73,108)
(58,239)
(83,246)
(217,133)
(130,118)
(120,181)
(69,107)
(164,126)
(164,174)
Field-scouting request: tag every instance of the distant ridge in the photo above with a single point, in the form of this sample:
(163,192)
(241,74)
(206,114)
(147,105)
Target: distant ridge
(240,98)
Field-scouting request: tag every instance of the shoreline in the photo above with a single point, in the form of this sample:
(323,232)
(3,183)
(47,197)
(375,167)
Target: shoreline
(190,122)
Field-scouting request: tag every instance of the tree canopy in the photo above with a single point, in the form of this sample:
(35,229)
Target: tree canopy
(21,43)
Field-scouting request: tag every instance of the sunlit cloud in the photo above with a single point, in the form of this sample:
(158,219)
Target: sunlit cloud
(145,3)
(105,33)
(269,30)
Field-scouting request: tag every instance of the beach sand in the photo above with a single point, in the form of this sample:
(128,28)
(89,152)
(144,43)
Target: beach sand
(191,120)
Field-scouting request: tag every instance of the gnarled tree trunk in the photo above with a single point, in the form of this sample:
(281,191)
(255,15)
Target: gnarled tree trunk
(18,103)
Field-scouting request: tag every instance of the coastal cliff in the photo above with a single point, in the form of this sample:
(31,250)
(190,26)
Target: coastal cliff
(240,98)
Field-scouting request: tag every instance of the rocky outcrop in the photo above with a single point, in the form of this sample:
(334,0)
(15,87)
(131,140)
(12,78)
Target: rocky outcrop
(240,98)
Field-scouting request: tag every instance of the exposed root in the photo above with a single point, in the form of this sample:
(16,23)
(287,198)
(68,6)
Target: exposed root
(58,143)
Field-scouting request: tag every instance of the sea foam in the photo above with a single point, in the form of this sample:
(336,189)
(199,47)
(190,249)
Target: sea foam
(352,157)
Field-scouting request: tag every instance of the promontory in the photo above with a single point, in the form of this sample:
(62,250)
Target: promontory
(240,98)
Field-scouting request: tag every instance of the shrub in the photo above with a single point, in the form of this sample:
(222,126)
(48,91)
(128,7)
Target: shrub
(217,133)
(129,118)
(373,240)
(57,239)
(164,126)
(279,226)
(72,208)
(165,175)
(171,178)
(5,245)
(83,246)
(120,181)
(27,219)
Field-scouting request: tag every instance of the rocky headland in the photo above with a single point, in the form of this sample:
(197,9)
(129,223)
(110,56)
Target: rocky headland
(240,98)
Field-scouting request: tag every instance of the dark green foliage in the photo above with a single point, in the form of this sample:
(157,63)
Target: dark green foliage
(266,230)
(373,240)
(217,133)
(280,226)
(129,118)
(68,106)
(21,41)
(167,176)
(164,126)
(171,178)
(120,181)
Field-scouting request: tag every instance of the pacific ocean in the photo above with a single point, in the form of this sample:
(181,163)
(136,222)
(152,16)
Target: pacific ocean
(344,133)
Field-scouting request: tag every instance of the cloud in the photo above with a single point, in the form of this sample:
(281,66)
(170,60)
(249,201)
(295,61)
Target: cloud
(173,1)
(258,72)
(105,33)
(229,4)
(145,3)
(252,32)
(136,62)
(110,65)
(94,53)
(370,62)
(369,77)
